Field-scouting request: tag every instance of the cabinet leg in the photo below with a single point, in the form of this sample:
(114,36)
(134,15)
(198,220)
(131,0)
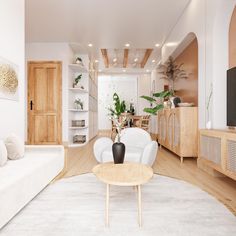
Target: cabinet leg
(181,160)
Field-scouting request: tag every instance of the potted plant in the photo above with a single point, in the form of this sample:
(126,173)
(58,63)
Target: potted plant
(77,80)
(171,71)
(79,61)
(156,101)
(118,148)
(78,104)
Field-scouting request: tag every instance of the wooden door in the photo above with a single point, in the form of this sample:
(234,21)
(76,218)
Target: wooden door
(44,103)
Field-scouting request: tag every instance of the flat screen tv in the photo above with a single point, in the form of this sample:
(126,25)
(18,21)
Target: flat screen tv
(231,97)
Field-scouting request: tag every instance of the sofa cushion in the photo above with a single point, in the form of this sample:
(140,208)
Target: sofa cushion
(15,147)
(3,153)
(132,154)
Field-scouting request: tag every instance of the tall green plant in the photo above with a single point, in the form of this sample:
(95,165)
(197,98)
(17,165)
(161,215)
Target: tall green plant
(119,106)
(156,101)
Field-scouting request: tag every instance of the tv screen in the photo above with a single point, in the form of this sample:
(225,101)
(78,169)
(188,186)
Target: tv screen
(231,97)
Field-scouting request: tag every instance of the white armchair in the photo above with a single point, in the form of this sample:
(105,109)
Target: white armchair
(139,147)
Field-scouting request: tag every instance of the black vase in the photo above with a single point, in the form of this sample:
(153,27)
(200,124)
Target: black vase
(118,151)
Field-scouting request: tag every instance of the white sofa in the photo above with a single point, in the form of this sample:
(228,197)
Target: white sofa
(21,180)
(139,147)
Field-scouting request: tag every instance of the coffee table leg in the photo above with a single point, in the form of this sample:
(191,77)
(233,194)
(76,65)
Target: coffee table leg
(107,205)
(139,206)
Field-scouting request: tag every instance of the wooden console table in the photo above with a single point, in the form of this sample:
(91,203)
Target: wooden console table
(178,130)
(217,152)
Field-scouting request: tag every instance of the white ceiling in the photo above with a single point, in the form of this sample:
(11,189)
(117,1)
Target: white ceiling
(104,23)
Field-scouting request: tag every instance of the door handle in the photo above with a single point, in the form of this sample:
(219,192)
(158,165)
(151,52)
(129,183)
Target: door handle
(31,105)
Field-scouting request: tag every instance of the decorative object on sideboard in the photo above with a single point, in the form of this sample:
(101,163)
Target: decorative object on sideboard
(79,105)
(176,101)
(171,71)
(208,124)
(157,101)
(8,80)
(78,123)
(79,61)
(76,81)
(78,138)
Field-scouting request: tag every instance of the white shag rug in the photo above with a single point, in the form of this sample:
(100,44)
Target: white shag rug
(76,206)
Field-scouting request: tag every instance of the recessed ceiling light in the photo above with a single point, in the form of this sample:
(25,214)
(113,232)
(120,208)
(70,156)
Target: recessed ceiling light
(90,45)
(171,44)
(136,59)
(157,45)
(153,61)
(127,45)
(96,61)
(147,71)
(124,70)
(115,60)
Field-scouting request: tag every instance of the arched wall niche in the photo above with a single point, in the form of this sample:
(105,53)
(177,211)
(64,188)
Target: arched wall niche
(187,53)
(232,40)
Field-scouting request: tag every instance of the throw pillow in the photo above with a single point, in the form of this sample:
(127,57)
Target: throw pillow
(15,147)
(3,153)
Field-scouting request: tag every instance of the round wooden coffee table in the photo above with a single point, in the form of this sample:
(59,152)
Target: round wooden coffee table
(127,174)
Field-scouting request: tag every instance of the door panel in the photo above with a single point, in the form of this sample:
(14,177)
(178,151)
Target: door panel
(52,90)
(44,103)
(40,85)
(52,128)
(40,129)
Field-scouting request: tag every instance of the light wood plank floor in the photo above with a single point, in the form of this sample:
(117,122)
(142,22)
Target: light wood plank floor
(81,160)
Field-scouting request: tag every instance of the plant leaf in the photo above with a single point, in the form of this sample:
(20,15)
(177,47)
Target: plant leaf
(149,110)
(150,99)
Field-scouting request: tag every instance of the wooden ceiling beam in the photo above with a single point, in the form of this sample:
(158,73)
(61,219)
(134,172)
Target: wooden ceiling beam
(146,56)
(126,58)
(105,57)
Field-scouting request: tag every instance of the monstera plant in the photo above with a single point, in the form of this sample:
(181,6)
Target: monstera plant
(156,101)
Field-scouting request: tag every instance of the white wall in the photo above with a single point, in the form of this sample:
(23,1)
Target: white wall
(124,86)
(12,48)
(157,85)
(59,52)
(144,88)
(209,20)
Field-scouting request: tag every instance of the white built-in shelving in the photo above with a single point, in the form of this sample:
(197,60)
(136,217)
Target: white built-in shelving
(77,128)
(88,95)
(78,68)
(78,90)
(77,110)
